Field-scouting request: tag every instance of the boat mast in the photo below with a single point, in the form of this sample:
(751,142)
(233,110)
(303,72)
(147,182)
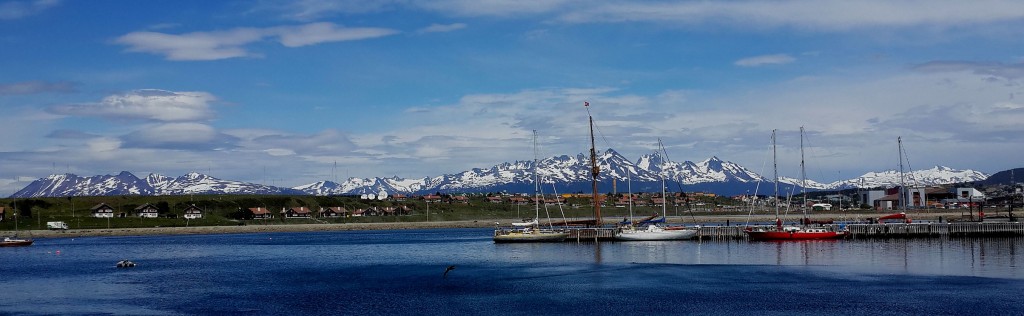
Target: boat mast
(664,198)
(594,169)
(775,167)
(536,182)
(803,176)
(629,187)
(901,201)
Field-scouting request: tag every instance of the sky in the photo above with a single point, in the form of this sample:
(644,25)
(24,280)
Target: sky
(288,93)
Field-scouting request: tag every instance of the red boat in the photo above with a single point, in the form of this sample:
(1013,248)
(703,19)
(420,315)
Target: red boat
(15,242)
(792,233)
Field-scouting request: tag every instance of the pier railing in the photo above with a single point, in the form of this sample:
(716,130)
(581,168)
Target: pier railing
(900,230)
(970,229)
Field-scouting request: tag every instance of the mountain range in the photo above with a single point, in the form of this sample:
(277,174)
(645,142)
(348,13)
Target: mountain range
(560,174)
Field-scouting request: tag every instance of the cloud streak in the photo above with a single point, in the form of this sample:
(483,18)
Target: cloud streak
(808,15)
(756,61)
(35,87)
(225,44)
(442,28)
(12,10)
(154,105)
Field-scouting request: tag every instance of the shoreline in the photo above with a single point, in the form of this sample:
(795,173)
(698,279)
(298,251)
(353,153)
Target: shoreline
(731,219)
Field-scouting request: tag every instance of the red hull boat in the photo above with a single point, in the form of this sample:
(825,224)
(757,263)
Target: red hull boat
(809,234)
(15,242)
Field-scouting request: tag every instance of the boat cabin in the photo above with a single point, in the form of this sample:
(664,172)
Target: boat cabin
(193,212)
(102,210)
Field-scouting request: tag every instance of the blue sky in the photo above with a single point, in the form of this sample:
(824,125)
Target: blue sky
(280,92)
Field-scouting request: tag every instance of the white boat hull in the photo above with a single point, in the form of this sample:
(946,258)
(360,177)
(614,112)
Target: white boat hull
(655,234)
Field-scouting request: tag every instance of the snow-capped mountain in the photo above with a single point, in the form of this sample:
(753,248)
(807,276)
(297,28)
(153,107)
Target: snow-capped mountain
(934,176)
(567,173)
(560,173)
(126,183)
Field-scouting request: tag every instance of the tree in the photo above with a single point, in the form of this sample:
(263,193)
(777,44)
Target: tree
(162,207)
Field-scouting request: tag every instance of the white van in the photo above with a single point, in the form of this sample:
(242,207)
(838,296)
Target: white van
(57,225)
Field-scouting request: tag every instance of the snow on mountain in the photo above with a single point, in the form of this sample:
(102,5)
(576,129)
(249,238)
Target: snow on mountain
(935,176)
(126,183)
(568,172)
(563,170)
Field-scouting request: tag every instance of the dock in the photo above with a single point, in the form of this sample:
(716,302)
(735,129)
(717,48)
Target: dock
(915,230)
(857,231)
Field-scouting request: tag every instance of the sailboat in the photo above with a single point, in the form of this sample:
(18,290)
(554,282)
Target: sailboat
(530,230)
(652,231)
(780,232)
(14,241)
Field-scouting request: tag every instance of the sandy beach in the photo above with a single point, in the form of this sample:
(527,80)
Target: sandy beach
(735,219)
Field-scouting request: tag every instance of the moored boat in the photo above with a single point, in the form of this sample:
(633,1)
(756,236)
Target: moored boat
(654,232)
(528,234)
(530,230)
(15,242)
(780,232)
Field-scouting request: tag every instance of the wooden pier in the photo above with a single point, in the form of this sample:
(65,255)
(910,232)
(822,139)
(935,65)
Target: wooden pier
(591,234)
(857,231)
(913,230)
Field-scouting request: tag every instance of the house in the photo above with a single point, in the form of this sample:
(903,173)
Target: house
(430,198)
(193,212)
(147,211)
(398,197)
(494,199)
(372,211)
(404,210)
(970,193)
(460,199)
(518,200)
(102,210)
(358,212)
(260,213)
(2,214)
(296,212)
(658,201)
(334,211)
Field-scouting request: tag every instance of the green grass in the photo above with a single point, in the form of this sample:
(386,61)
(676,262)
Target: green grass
(76,211)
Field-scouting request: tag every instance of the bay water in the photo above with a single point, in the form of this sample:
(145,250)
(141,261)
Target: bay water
(402,272)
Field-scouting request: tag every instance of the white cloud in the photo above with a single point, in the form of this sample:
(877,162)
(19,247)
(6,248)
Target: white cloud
(308,10)
(193,46)
(226,44)
(176,134)
(495,7)
(103,144)
(440,28)
(157,105)
(810,15)
(316,33)
(34,87)
(19,9)
(762,60)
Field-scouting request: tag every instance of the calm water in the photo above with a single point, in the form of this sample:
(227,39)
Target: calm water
(400,272)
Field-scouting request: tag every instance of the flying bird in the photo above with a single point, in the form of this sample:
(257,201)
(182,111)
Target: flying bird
(450,268)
